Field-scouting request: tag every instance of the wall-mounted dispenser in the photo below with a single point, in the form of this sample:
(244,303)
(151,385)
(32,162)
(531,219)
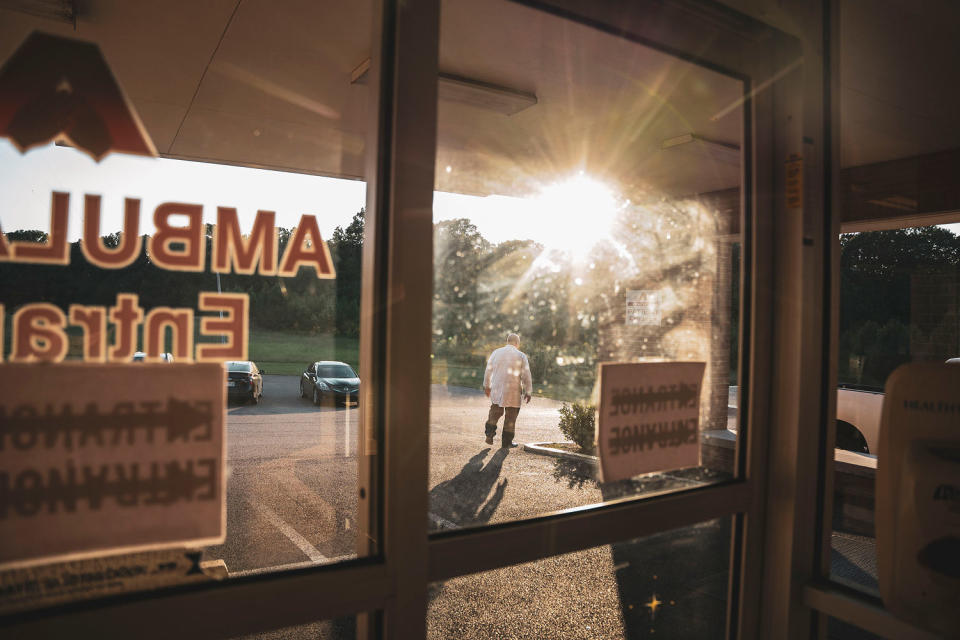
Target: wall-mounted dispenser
(918,496)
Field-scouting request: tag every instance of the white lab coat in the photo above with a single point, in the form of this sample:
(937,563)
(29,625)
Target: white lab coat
(507,376)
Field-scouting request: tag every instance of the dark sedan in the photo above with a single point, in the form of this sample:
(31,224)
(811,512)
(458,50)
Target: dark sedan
(244,381)
(331,380)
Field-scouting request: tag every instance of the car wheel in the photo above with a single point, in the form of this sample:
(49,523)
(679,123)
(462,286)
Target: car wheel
(316,397)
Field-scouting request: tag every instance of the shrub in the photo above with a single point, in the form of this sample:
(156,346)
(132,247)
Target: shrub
(577,424)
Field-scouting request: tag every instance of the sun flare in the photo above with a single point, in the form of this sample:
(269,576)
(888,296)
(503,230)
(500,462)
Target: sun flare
(578,212)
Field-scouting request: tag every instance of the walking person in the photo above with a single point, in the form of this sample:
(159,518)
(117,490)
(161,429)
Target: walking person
(506,381)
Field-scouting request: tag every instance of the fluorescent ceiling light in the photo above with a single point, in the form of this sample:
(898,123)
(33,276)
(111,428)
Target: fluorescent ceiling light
(896,202)
(63,10)
(724,151)
(476,93)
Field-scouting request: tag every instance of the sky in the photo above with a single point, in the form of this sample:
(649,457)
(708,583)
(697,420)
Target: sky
(27,182)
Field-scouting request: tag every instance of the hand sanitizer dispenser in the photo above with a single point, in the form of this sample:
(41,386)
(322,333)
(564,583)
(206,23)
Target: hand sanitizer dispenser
(918,497)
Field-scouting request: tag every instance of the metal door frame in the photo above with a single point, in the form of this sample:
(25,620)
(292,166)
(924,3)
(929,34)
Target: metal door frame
(395,334)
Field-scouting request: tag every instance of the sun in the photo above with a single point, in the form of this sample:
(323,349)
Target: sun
(576,214)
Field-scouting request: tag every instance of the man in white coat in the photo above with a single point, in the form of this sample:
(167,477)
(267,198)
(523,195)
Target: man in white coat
(506,379)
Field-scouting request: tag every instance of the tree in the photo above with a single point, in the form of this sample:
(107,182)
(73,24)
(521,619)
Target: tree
(877,272)
(347,247)
(459,253)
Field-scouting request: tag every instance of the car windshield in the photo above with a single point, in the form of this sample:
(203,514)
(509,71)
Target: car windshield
(335,371)
(238,366)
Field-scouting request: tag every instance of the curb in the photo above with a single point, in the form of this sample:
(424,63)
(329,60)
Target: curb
(540,448)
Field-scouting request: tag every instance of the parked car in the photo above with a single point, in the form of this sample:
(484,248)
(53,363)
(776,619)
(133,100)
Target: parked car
(244,381)
(328,379)
(859,409)
(140,356)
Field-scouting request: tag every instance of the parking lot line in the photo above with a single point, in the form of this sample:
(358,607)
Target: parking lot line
(302,543)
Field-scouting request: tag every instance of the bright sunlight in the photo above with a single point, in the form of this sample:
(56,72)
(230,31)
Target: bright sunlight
(576,214)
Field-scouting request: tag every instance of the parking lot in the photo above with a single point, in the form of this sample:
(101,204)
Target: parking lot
(291,500)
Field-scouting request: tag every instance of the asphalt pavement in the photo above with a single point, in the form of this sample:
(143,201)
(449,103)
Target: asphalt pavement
(291,500)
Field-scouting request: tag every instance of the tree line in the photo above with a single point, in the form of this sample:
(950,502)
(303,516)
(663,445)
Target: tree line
(302,303)
(484,290)
(899,297)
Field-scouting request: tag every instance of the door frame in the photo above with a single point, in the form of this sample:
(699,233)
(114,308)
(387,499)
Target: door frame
(388,587)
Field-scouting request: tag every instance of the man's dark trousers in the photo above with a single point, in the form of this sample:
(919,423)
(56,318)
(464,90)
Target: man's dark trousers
(509,422)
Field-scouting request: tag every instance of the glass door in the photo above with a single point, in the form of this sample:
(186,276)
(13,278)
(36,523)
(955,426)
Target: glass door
(604,197)
(580,183)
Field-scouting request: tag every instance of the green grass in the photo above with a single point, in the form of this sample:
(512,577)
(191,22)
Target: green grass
(288,353)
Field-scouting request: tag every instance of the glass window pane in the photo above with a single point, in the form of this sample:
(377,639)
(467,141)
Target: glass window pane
(899,303)
(588,200)
(669,585)
(258,192)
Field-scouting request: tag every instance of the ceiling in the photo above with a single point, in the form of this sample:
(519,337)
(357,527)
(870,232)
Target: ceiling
(270,83)
(899,64)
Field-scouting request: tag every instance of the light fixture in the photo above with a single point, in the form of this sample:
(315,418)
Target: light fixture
(724,151)
(62,10)
(477,93)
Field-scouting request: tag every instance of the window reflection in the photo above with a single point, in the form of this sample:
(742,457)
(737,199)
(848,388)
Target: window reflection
(251,125)
(598,219)
(669,585)
(898,304)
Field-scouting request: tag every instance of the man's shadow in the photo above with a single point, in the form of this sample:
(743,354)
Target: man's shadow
(463,500)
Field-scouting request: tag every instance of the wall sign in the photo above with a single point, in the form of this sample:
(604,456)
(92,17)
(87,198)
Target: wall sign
(644,307)
(107,458)
(648,418)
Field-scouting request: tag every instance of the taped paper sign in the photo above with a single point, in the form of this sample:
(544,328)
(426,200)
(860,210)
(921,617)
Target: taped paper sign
(643,308)
(649,417)
(99,459)
(794,181)
(42,586)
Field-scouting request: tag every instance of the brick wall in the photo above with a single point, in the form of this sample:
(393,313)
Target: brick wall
(935,315)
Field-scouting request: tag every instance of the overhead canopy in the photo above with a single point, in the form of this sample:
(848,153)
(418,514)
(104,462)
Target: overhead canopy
(525,96)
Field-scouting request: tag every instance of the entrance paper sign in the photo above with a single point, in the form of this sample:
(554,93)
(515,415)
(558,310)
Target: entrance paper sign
(108,458)
(643,307)
(649,417)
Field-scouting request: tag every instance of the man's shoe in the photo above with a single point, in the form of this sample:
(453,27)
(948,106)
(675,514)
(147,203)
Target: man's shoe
(509,445)
(489,439)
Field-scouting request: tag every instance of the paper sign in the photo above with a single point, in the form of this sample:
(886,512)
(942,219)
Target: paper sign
(643,307)
(104,458)
(46,585)
(649,417)
(794,181)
